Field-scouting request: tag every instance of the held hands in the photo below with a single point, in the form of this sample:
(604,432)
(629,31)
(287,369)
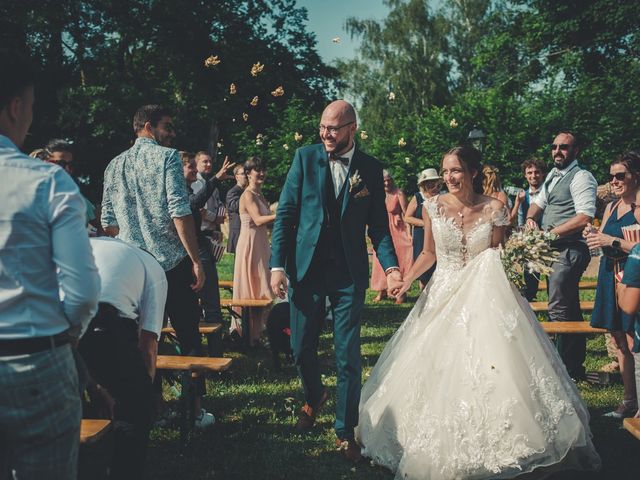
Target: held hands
(226,165)
(279,284)
(394,283)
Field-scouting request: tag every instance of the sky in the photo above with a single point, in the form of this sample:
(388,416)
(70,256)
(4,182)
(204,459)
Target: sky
(327,20)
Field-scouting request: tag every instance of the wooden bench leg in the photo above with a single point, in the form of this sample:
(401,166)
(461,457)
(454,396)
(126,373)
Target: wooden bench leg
(187,408)
(214,344)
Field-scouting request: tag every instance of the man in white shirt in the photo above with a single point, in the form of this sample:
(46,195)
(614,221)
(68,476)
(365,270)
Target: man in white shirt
(42,229)
(121,345)
(568,200)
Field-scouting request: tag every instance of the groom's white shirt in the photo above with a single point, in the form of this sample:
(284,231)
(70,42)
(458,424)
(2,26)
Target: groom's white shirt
(339,170)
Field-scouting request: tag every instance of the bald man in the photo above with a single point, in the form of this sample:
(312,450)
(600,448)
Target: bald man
(332,194)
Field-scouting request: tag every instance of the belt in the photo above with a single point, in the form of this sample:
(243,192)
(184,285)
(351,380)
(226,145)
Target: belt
(25,346)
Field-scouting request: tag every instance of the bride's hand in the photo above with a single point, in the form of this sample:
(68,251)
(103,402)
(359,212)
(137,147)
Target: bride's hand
(404,288)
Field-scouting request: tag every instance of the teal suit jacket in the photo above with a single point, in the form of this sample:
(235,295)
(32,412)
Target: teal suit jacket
(301,210)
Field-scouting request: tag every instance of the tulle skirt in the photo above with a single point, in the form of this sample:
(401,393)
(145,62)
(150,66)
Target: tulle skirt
(471,387)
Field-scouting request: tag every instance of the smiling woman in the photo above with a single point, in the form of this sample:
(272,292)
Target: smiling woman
(624,177)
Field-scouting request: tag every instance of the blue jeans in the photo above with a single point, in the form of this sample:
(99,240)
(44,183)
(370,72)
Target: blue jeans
(40,413)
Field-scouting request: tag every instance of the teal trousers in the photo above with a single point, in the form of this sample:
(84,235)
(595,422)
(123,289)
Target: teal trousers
(308,303)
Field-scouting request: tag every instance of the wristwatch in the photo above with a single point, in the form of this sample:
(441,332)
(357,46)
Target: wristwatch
(616,244)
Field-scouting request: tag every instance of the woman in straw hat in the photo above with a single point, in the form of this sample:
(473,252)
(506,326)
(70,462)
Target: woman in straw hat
(429,184)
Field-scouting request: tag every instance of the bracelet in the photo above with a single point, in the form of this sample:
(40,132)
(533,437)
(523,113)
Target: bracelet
(391,269)
(530,218)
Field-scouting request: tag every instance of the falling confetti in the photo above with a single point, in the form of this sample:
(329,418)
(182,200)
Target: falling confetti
(245,116)
(336,40)
(407,160)
(363,135)
(392,96)
(254,101)
(278,92)
(212,61)
(298,137)
(402,142)
(256,69)
(285,146)
(453,123)
(259,138)
(232,89)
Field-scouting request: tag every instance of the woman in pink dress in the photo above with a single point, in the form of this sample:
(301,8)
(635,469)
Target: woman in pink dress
(251,274)
(396,203)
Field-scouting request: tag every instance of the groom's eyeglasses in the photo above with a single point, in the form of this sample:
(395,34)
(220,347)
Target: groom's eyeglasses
(618,176)
(332,130)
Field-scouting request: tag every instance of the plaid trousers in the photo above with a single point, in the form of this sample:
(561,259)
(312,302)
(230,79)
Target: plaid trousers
(40,413)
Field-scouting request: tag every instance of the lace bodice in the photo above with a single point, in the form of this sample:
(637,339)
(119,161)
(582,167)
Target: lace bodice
(455,247)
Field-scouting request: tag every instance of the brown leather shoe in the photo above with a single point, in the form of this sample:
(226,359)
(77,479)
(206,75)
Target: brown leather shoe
(349,449)
(307,415)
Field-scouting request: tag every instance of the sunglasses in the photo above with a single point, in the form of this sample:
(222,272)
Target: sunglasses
(561,146)
(618,176)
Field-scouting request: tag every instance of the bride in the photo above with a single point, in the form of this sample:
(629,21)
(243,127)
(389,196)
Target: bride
(470,386)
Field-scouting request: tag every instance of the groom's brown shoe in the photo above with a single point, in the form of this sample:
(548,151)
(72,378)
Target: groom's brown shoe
(349,450)
(307,415)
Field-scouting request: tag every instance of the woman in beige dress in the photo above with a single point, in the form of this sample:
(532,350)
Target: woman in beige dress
(251,270)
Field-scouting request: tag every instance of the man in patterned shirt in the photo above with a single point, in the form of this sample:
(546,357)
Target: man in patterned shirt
(146,203)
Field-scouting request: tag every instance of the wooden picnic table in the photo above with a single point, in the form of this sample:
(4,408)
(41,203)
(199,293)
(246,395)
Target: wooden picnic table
(570,327)
(189,369)
(585,306)
(632,425)
(584,285)
(92,430)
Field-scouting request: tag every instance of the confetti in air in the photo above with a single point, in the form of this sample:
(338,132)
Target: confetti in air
(212,61)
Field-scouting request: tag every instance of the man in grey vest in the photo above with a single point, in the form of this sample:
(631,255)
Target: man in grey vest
(568,199)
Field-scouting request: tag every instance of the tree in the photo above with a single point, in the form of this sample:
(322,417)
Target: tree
(101,60)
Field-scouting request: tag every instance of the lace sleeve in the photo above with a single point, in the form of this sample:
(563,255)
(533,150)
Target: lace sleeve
(500,217)
(431,206)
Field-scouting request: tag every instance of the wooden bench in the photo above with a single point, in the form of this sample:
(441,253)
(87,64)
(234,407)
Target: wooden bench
(226,284)
(632,425)
(586,285)
(190,368)
(92,430)
(538,307)
(230,303)
(203,328)
(570,327)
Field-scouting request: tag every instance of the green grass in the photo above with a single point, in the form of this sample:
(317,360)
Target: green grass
(255,408)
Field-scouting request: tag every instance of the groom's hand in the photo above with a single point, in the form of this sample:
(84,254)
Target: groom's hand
(394,282)
(279,283)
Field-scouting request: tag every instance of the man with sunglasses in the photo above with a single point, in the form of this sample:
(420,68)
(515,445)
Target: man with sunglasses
(333,193)
(568,200)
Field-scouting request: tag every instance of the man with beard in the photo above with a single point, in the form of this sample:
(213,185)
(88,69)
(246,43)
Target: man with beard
(146,203)
(568,200)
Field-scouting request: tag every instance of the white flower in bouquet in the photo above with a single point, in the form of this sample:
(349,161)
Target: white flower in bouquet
(528,251)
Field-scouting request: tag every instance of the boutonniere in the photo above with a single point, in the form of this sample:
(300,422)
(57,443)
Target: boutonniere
(354,181)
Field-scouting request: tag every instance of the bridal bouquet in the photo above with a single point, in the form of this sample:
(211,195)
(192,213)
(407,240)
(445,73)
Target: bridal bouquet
(528,251)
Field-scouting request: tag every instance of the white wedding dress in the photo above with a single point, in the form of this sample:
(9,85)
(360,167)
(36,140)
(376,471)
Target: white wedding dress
(470,386)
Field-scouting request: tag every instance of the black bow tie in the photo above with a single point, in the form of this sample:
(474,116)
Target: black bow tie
(336,158)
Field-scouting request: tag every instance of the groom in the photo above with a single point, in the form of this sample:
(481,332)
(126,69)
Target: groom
(332,193)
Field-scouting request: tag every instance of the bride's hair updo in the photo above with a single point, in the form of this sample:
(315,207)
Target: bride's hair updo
(471,160)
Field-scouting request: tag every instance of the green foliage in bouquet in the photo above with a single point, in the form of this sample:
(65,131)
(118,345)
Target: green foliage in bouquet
(528,251)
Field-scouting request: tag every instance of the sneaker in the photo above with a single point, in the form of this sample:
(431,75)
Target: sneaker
(626,409)
(205,419)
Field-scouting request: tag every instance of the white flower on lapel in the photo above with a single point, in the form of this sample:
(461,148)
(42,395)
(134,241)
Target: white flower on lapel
(354,181)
